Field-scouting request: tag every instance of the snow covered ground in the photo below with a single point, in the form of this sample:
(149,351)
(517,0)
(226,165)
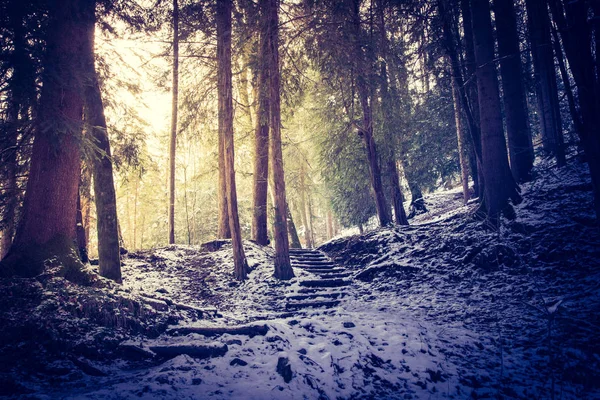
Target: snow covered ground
(444,308)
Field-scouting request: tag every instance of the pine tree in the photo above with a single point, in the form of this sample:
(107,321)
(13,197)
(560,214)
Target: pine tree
(48,223)
(102,170)
(499,183)
(283,267)
(513,92)
(224,83)
(545,78)
(261,142)
(173,136)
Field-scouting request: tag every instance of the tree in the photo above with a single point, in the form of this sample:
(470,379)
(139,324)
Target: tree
(391,136)
(365,128)
(283,267)
(469,101)
(460,136)
(467,93)
(102,169)
(173,137)
(261,143)
(499,183)
(48,223)
(226,132)
(19,87)
(574,26)
(292,232)
(545,78)
(513,93)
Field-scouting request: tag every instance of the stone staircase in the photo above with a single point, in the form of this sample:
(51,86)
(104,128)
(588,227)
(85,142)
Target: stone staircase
(324,289)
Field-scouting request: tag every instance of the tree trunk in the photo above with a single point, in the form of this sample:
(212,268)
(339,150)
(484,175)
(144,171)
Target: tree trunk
(417,203)
(173,137)
(515,105)
(461,140)
(283,267)
(576,36)
(545,78)
(468,95)
(330,231)
(224,230)
(50,207)
(20,79)
(9,185)
(224,83)
(575,116)
(261,146)
(292,232)
(499,183)
(397,198)
(366,129)
(104,187)
(82,243)
(303,207)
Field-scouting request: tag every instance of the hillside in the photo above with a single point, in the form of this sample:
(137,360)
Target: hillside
(444,308)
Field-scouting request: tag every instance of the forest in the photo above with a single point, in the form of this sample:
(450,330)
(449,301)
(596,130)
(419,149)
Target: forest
(277,199)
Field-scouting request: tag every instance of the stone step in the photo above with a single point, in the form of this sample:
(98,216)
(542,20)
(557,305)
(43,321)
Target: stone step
(309,259)
(317,295)
(304,250)
(315,254)
(335,276)
(312,304)
(316,290)
(325,271)
(313,262)
(325,283)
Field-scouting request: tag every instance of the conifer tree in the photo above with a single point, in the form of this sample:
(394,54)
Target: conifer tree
(224,76)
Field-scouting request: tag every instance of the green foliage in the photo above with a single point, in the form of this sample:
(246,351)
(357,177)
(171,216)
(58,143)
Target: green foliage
(430,150)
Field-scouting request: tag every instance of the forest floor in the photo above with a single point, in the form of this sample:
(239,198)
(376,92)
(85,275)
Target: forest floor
(444,308)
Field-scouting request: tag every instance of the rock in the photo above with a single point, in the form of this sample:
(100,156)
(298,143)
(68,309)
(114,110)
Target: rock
(238,361)
(349,325)
(284,369)
(234,341)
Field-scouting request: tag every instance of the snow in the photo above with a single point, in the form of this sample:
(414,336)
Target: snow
(444,308)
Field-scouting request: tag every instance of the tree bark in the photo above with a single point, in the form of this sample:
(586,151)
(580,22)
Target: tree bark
(397,198)
(173,137)
(224,82)
(330,232)
(82,243)
(104,188)
(468,95)
(470,103)
(461,140)
(16,110)
(575,32)
(499,182)
(50,206)
(292,232)
(366,128)
(515,105)
(575,115)
(303,207)
(261,145)
(283,267)
(545,78)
